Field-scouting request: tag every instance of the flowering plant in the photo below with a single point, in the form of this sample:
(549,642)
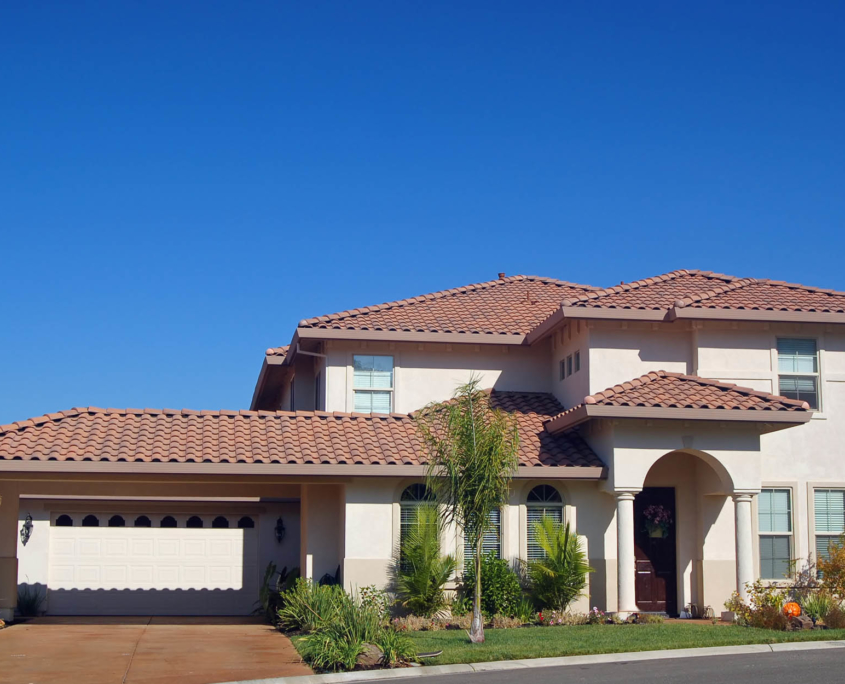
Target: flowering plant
(657,518)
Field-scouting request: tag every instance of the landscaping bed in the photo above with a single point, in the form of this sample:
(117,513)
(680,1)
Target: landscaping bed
(546,642)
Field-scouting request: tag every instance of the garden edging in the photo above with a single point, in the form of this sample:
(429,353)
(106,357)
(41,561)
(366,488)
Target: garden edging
(492,666)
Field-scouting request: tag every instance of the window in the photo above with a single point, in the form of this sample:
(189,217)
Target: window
(798,370)
(492,539)
(830,519)
(117,521)
(194,521)
(372,383)
(220,523)
(318,383)
(562,369)
(90,521)
(143,521)
(569,365)
(246,523)
(409,503)
(543,501)
(774,510)
(168,521)
(292,394)
(64,521)
(577,361)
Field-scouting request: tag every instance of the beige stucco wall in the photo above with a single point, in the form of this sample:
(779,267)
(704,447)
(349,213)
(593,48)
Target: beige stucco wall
(567,339)
(431,372)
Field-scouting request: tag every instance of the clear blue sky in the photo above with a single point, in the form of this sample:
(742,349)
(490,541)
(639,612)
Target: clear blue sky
(181,182)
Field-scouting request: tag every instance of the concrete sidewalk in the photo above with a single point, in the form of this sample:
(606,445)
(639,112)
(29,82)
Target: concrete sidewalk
(140,650)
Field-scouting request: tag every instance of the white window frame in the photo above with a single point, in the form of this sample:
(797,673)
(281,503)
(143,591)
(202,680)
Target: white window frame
(790,534)
(817,374)
(816,488)
(529,505)
(390,390)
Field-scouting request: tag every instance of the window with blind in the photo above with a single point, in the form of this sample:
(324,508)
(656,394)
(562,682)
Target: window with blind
(372,383)
(412,499)
(543,501)
(798,370)
(492,539)
(774,510)
(830,519)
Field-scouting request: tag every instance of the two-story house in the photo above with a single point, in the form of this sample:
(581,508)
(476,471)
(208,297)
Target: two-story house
(714,401)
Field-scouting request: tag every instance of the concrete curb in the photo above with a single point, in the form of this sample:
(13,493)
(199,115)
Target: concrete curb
(565,661)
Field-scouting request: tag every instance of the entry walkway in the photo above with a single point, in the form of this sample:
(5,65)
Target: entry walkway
(142,650)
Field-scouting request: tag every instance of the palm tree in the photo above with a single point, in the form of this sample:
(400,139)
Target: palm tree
(472,452)
(421,571)
(560,577)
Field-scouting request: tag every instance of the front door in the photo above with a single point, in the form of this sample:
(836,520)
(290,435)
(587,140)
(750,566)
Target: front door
(654,540)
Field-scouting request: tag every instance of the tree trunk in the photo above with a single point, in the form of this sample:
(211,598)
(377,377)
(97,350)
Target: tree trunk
(476,630)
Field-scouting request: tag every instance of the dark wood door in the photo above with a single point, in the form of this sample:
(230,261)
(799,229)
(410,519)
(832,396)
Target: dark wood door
(657,587)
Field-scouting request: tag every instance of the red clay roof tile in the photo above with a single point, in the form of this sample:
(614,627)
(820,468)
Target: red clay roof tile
(268,437)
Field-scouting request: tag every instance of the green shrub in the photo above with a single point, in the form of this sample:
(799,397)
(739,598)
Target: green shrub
(376,599)
(524,610)
(650,619)
(306,606)
(818,604)
(421,570)
(765,602)
(832,569)
(396,648)
(835,618)
(500,590)
(270,594)
(560,577)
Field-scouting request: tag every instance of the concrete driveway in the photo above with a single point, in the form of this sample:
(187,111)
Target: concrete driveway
(158,650)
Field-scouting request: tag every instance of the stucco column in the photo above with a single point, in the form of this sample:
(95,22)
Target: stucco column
(626,572)
(322,522)
(8,552)
(744,544)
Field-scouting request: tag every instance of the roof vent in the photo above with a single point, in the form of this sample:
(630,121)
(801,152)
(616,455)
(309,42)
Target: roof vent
(501,276)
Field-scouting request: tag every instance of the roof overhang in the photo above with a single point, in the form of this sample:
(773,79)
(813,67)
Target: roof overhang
(679,312)
(305,470)
(585,412)
(593,313)
(408,336)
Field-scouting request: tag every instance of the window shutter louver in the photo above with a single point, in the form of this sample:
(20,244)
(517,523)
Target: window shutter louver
(535,515)
(492,539)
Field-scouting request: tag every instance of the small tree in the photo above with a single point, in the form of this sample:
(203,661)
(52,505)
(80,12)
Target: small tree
(472,452)
(832,569)
(560,577)
(421,570)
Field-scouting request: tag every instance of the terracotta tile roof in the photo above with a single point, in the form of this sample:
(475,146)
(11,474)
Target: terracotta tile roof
(281,352)
(659,292)
(302,437)
(767,295)
(511,305)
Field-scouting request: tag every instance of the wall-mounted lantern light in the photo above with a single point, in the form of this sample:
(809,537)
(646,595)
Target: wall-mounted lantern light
(280,530)
(26,529)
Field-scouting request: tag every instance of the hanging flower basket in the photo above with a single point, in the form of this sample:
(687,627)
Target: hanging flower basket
(658,520)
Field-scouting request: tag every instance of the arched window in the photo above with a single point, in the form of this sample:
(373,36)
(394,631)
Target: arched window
(220,523)
(412,499)
(143,521)
(246,523)
(64,521)
(168,521)
(194,521)
(90,521)
(544,501)
(117,521)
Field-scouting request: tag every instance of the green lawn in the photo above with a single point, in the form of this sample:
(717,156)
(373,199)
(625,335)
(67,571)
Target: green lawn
(542,642)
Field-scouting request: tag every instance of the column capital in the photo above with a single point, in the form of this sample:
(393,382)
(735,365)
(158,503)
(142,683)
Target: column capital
(627,495)
(742,497)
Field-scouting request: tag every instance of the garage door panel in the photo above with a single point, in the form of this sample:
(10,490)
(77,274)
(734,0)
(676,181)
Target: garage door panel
(152,571)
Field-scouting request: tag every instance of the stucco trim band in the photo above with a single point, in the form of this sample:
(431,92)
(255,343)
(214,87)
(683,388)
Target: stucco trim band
(585,412)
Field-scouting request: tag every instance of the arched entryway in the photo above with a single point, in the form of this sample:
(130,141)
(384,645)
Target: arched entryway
(683,534)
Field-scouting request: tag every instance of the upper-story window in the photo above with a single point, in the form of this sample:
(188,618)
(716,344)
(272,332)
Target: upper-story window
(577,358)
(829,508)
(372,383)
(798,370)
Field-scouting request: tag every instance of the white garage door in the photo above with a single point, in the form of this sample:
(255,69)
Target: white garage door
(152,564)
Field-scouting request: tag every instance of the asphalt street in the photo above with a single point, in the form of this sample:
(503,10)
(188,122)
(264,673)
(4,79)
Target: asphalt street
(765,668)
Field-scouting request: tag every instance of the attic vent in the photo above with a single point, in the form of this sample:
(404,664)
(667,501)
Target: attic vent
(501,276)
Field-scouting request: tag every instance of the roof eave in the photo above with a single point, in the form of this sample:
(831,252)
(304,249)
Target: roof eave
(283,469)
(615,314)
(757,315)
(410,336)
(585,412)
